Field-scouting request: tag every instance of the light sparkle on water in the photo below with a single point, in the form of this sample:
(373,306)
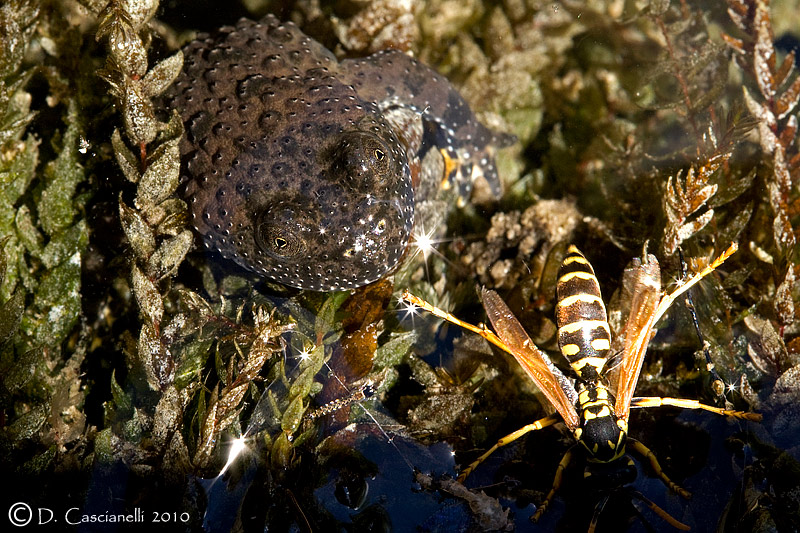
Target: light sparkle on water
(423,243)
(238,445)
(305,353)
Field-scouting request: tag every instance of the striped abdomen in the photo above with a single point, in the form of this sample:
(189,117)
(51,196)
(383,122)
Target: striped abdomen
(584,337)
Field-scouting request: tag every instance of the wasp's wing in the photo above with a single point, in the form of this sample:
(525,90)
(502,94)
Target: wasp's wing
(644,315)
(645,289)
(516,341)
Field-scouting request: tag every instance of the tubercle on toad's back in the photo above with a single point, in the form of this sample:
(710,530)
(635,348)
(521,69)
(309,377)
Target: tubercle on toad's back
(299,167)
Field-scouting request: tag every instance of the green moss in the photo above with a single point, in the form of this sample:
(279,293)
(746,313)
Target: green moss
(56,304)
(61,178)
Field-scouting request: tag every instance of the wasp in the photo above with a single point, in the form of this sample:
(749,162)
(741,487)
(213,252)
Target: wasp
(595,401)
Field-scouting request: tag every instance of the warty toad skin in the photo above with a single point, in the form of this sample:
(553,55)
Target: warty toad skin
(300,167)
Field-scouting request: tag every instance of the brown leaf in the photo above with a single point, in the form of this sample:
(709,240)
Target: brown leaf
(788,136)
(163,74)
(158,363)
(738,12)
(161,178)
(683,200)
(764,345)
(139,234)
(764,53)
(692,227)
(147,296)
(366,308)
(782,231)
(784,303)
(168,256)
(733,42)
(782,176)
(206,441)
(786,68)
(794,162)
(125,159)
(788,100)
(169,414)
(766,122)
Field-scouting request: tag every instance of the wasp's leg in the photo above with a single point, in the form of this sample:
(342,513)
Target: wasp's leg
(645,452)
(511,437)
(635,494)
(556,485)
(654,401)
(596,515)
(668,518)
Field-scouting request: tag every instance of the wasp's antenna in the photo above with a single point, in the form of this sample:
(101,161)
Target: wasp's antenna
(717,384)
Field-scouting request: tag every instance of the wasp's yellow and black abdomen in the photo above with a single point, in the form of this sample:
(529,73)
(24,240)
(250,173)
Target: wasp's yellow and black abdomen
(584,337)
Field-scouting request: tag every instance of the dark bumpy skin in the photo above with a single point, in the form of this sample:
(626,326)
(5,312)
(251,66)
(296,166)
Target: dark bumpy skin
(298,167)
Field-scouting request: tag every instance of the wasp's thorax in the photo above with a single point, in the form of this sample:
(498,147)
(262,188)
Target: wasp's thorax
(600,432)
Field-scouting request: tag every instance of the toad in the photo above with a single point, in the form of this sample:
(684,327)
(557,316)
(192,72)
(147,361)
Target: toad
(300,167)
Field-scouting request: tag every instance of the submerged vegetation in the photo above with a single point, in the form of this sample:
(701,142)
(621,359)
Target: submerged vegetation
(131,363)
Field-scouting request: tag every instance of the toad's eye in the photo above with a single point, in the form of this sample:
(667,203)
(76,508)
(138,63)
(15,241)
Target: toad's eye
(365,160)
(274,235)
